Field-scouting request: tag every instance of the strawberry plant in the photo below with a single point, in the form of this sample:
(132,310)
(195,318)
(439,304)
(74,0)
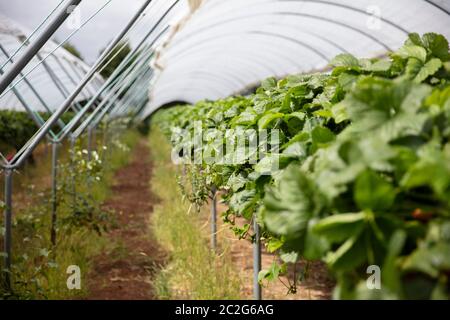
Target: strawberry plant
(363,167)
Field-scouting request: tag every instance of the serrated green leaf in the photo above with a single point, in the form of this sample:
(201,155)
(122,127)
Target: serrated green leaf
(412,51)
(266,119)
(373,192)
(269,83)
(291,204)
(428,69)
(345,60)
(339,227)
(437,44)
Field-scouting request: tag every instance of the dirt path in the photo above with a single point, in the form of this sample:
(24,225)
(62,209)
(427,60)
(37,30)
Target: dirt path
(318,285)
(126,271)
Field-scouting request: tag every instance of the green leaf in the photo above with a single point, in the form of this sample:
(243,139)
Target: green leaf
(289,257)
(390,271)
(378,66)
(236,182)
(412,51)
(269,83)
(351,254)
(243,202)
(428,69)
(248,117)
(432,169)
(290,204)
(339,111)
(430,260)
(437,44)
(266,119)
(373,192)
(322,135)
(296,149)
(272,163)
(270,274)
(339,227)
(315,246)
(274,244)
(44,252)
(345,60)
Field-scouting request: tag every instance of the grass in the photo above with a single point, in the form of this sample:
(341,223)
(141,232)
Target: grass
(194,271)
(39,269)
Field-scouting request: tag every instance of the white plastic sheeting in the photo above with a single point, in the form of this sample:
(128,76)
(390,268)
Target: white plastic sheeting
(227,45)
(66,69)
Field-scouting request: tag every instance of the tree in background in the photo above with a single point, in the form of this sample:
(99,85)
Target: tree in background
(73,50)
(119,56)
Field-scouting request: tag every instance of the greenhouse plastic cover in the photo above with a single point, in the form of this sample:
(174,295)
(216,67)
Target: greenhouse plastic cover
(67,68)
(220,48)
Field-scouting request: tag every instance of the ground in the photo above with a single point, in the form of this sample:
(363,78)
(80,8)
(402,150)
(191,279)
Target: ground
(318,285)
(126,272)
(126,269)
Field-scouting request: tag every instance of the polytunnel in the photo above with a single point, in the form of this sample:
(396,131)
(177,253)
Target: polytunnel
(222,47)
(187,54)
(59,75)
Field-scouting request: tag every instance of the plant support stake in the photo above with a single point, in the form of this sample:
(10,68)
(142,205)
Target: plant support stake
(8,223)
(256,260)
(54,190)
(36,45)
(214,219)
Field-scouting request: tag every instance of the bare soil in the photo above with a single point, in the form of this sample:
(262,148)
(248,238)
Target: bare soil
(318,285)
(126,271)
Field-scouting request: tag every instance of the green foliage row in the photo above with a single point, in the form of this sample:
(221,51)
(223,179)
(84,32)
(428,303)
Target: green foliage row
(17,127)
(364,168)
(38,269)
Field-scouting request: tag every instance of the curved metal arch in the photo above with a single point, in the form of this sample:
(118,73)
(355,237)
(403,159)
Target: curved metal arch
(207,46)
(345,6)
(46,83)
(43,74)
(199,76)
(438,6)
(184,76)
(79,75)
(233,75)
(261,65)
(281,23)
(198,84)
(70,75)
(286,38)
(189,87)
(227,77)
(284,13)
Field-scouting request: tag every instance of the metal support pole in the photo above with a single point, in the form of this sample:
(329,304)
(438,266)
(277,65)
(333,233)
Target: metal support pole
(69,76)
(28,83)
(256,260)
(89,143)
(89,88)
(214,219)
(36,45)
(8,224)
(72,164)
(40,134)
(105,140)
(57,82)
(54,190)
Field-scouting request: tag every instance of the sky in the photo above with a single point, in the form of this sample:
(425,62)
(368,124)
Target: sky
(93,37)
